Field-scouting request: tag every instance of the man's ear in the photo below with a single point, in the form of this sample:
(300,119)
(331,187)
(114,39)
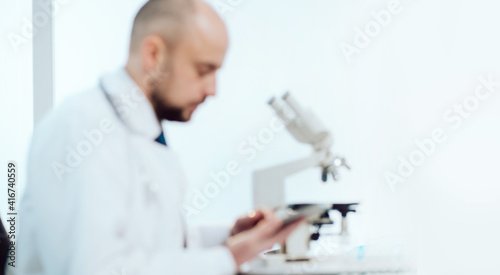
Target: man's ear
(154,52)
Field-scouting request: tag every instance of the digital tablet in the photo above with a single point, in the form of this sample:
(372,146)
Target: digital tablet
(291,213)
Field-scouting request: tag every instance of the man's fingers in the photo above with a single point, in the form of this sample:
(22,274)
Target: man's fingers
(252,218)
(277,233)
(266,213)
(247,222)
(269,225)
(255,216)
(283,234)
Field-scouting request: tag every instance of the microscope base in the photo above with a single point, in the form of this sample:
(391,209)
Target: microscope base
(278,264)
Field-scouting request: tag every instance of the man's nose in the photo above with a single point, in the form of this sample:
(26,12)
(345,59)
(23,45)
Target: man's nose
(211,86)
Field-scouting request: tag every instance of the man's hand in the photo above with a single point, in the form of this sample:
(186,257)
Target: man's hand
(247,222)
(268,230)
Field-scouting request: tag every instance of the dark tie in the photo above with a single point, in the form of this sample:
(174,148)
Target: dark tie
(161,139)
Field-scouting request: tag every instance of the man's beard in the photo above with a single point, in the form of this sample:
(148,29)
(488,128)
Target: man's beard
(167,112)
(161,107)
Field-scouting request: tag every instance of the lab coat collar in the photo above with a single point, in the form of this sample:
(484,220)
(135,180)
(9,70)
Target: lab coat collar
(131,105)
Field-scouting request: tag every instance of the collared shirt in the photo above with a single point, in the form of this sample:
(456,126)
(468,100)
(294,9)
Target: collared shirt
(102,197)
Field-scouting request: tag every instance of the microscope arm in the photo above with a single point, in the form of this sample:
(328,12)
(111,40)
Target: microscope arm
(269,183)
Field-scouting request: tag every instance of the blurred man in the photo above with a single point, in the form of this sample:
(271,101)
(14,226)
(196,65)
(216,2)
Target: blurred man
(104,190)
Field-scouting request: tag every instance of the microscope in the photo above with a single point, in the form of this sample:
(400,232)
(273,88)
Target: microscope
(296,256)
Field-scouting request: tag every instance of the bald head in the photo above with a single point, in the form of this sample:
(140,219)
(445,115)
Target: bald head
(167,18)
(170,19)
(175,50)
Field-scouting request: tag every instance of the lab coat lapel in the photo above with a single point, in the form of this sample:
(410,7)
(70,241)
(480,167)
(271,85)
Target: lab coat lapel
(158,191)
(159,180)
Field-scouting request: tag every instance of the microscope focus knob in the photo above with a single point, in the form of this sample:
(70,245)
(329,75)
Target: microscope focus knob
(314,236)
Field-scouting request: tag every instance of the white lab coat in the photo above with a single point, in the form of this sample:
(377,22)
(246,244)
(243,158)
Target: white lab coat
(104,198)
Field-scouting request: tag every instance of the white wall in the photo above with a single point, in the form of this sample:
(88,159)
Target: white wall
(91,38)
